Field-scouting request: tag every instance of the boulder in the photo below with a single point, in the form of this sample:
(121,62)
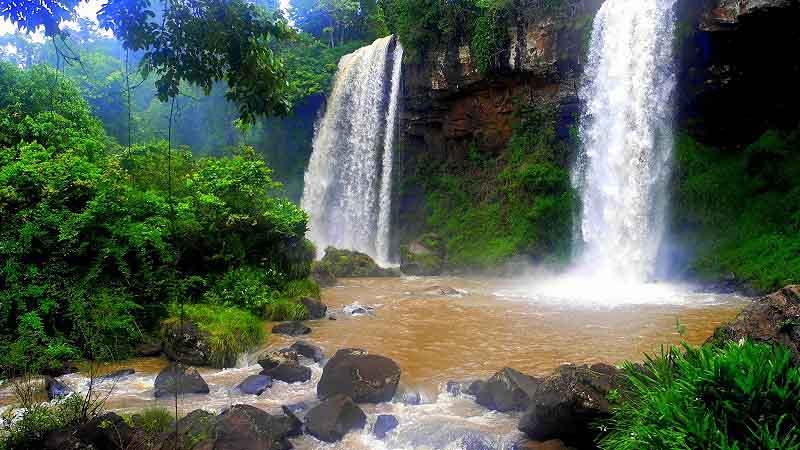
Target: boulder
(423,257)
(507,390)
(291,328)
(308,350)
(567,403)
(180,378)
(363,377)
(254,385)
(333,418)
(294,422)
(773,319)
(316,309)
(240,427)
(59,369)
(384,424)
(284,366)
(107,431)
(355,309)
(347,263)
(467,387)
(116,375)
(149,348)
(553,444)
(186,344)
(55,389)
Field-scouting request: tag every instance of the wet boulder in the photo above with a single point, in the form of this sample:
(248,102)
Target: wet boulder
(384,424)
(772,319)
(185,343)
(107,431)
(116,375)
(284,366)
(294,423)
(567,403)
(310,351)
(240,427)
(291,328)
(466,387)
(55,389)
(335,417)
(180,379)
(553,444)
(363,377)
(507,390)
(352,264)
(254,385)
(316,309)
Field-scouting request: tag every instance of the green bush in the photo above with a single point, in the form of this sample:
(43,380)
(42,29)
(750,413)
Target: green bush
(231,331)
(29,431)
(742,396)
(759,244)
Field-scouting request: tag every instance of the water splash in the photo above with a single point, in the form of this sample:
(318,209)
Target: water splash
(626,130)
(348,183)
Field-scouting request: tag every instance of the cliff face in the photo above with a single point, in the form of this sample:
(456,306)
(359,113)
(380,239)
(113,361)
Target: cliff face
(738,69)
(449,105)
(737,73)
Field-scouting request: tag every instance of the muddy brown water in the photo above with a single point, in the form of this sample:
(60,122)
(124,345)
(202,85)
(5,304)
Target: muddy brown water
(439,329)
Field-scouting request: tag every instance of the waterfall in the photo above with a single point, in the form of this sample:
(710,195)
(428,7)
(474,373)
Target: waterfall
(348,183)
(626,131)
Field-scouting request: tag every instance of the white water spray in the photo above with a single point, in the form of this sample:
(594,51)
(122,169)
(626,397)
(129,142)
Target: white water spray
(626,132)
(348,183)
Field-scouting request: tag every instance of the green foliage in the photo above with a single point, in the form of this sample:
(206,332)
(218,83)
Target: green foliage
(311,64)
(742,396)
(29,431)
(490,208)
(759,244)
(231,331)
(95,240)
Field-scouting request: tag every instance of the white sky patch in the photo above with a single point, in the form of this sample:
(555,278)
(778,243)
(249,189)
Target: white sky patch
(10,49)
(85,9)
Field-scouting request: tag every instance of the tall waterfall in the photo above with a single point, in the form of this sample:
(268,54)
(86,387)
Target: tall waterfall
(348,183)
(626,132)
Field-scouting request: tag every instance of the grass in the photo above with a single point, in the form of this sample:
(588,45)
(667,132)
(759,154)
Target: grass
(231,331)
(741,396)
(740,211)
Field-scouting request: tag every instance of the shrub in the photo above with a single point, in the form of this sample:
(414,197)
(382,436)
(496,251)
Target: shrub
(40,419)
(742,396)
(152,422)
(231,331)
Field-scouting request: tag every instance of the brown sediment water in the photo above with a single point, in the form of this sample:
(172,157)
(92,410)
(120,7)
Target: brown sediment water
(447,328)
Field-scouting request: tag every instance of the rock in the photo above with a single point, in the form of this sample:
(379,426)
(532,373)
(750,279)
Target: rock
(61,369)
(179,377)
(294,422)
(507,390)
(443,291)
(291,328)
(729,14)
(363,377)
(149,348)
(773,319)
(254,385)
(469,387)
(316,309)
(347,264)
(553,444)
(384,424)
(55,389)
(567,403)
(284,366)
(333,418)
(187,344)
(356,309)
(107,431)
(323,274)
(116,375)
(423,257)
(240,427)
(308,350)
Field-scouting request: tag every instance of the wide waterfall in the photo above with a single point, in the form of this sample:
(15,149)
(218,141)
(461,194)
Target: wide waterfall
(348,183)
(626,131)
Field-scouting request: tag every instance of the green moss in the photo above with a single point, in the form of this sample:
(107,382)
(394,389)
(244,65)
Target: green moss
(231,331)
(348,263)
(740,211)
(489,208)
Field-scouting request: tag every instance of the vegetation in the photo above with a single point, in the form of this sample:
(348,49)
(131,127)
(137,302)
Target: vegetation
(39,419)
(742,396)
(489,208)
(230,331)
(740,211)
(96,240)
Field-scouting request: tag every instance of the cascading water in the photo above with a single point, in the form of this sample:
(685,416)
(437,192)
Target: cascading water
(626,132)
(348,183)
